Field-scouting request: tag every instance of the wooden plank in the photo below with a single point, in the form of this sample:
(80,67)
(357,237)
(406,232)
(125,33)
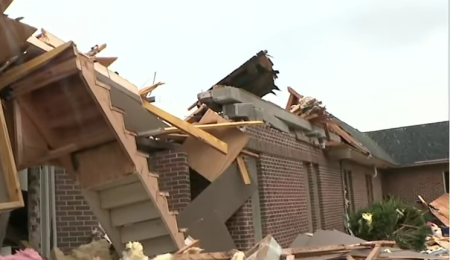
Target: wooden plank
(248,153)
(243,170)
(8,163)
(206,127)
(203,256)
(18,72)
(45,77)
(374,253)
(347,137)
(187,128)
(195,242)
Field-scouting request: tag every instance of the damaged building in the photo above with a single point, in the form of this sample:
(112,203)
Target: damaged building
(237,169)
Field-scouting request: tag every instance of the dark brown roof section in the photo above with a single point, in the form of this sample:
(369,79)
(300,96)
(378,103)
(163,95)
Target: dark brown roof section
(256,76)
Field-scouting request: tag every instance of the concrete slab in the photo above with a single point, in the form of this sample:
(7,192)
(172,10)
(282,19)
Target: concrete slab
(230,95)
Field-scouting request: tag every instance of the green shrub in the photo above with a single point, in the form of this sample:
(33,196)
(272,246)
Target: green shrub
(392,220)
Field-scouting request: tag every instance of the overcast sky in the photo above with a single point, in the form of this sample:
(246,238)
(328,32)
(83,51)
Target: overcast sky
(374,63)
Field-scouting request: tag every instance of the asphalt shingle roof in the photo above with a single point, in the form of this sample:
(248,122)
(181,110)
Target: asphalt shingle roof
(410,144)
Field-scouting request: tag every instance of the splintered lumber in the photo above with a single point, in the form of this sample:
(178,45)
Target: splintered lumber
(347,137)
(321,250)
(18,72)
(187,128)
(243,170)
(145,91)
(174,130)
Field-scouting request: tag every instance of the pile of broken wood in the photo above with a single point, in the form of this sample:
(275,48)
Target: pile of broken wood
(323,245)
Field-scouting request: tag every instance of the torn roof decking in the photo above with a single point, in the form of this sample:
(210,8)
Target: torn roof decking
(256,76)
(124,95)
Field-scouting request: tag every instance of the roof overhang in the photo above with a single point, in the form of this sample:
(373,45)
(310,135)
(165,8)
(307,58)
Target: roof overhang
(424,163)
(345,152)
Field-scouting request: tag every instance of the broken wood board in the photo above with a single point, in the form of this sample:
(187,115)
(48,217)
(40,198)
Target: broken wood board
(243,170)
(206,127)
(206,160)
(22,70)
(13,36)
(224,196)
(441,206)
(205,137)
(347,137)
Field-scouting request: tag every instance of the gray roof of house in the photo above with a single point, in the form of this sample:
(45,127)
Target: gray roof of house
(410,144)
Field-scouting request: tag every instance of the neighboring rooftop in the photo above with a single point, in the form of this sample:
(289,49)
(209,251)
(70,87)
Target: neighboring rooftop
(411,144)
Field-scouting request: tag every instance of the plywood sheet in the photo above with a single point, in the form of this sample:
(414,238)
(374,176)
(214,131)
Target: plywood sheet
(224,197)
(212,233)
(13,37)
(441,204)
(209,162)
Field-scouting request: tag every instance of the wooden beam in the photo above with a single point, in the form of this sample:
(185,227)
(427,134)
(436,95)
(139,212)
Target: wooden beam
(45,77)
(248,153)
(187,128)
(8,163)
(243,170)
(174,130)
(18,72)
(347,137)
(374,253)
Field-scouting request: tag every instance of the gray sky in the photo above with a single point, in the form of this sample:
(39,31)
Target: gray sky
(374,63)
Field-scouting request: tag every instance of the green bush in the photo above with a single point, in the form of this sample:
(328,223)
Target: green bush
(392,220)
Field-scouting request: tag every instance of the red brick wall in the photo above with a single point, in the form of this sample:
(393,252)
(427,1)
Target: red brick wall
(332,196)
(407,183)
(173,170)
(240,226)
(74,219)
(361,175)
(283,199)
(283,186)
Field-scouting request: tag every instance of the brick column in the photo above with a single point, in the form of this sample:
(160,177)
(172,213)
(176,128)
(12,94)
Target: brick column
(74,218)
(173,169)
